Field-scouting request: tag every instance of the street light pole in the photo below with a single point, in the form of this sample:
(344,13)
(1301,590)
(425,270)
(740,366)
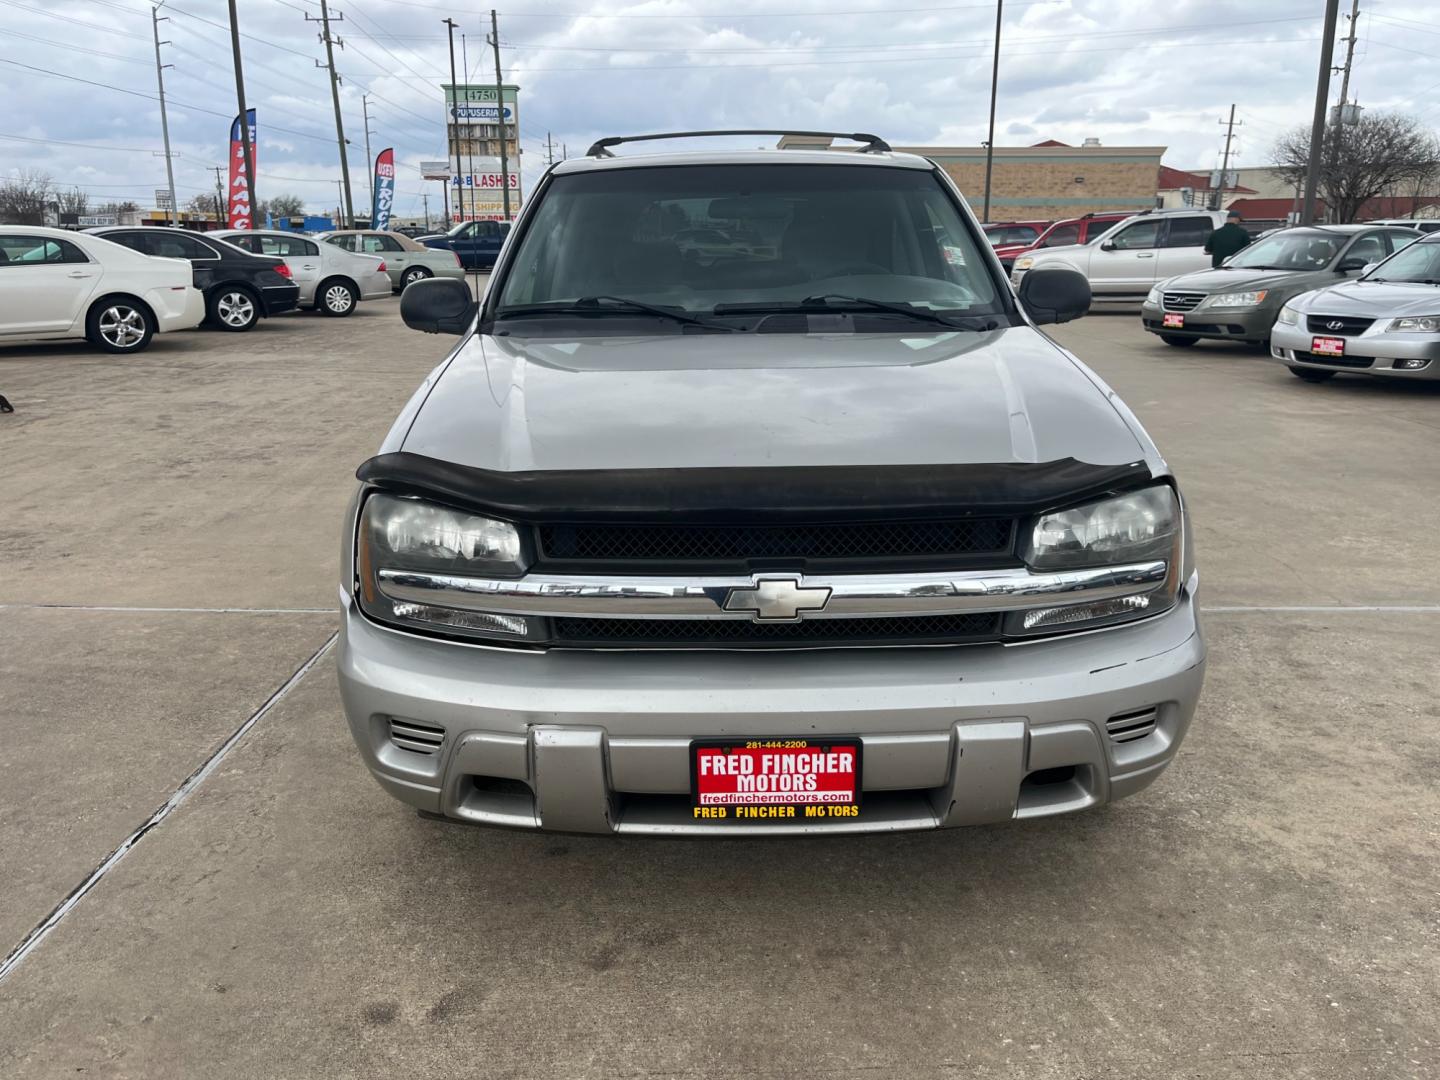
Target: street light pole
(245,150)
(500,115)
(369,160)
(155,21)
(455,121)
(1317,127)
(994,85)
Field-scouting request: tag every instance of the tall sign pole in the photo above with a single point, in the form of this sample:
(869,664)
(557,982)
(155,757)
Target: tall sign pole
(155,21)
(244,112)
(454,121)
(369,161)
(1317,126)
(500,113)
(994,85)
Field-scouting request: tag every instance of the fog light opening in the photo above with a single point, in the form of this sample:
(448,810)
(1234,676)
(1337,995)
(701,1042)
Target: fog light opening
(484,621)
(1079,613)
(1410,364)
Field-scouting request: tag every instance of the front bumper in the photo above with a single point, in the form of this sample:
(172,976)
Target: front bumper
(598,742)
(1232,324)
(1371,353)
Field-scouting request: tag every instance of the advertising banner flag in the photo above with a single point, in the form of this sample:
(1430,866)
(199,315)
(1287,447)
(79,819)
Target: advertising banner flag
(384,189)
(240,214)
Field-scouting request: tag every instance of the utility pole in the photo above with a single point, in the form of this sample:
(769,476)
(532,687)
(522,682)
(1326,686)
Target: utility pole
(500,113)
(1317,126)
(330,42)
(369,160)
(155,21)
(455,121)
(994,85)
(1225,158)
(219,197)
(424,198)
(564,152)
(469,143)
(248,155)
(1349,57)
(549,150)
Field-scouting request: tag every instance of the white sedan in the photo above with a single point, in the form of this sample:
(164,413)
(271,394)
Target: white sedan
(331,279)
(60,284)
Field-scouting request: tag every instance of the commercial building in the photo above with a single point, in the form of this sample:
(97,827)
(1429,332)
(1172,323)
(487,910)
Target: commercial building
(475,126)
(1046,181)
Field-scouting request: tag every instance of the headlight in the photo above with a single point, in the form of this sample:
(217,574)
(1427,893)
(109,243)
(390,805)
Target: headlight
(1288,315)
(396,535)
(1153,297)
(1141,527)
(1237,299)
(1025,262)
(1416,324)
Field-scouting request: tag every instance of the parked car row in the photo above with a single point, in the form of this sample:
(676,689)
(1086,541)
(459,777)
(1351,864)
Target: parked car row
(119,286)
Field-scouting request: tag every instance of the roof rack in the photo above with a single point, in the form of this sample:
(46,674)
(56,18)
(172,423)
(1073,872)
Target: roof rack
(873,143)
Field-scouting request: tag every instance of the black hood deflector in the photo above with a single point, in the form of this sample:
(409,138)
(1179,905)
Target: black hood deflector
(748,494)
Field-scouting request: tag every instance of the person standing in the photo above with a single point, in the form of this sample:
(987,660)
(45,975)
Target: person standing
(1227,240)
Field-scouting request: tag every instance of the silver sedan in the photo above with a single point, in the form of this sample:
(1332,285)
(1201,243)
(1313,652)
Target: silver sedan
(331,281)
(405,260)
(1386,323)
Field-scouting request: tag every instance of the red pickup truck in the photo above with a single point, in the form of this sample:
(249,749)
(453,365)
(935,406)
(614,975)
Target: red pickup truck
(1079,230)
(1008,237)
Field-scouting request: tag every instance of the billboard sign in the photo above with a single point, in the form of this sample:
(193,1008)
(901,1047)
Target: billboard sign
(435,170)
(384,189)
(239,201)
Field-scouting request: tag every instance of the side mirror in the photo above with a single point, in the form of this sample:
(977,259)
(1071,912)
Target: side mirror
(1349,266)
(1052,295)
(438,306)
(1367,268)
(1107,245)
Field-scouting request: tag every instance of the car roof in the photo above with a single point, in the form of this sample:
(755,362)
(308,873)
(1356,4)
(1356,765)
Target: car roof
(788,156)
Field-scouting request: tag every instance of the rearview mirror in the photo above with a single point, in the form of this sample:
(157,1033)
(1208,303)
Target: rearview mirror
(1054,295)
(438,306)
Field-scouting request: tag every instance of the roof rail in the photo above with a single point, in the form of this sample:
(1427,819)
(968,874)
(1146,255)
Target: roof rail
(873,143)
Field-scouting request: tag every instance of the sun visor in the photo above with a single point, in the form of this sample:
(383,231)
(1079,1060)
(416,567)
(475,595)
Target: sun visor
(764,494)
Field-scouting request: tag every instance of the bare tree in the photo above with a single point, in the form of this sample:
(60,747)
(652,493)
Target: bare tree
(1379,155)
(286,206)
(199,206)
(24,197)
(73,201)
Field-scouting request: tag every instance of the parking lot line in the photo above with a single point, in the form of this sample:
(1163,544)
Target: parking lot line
(177,797)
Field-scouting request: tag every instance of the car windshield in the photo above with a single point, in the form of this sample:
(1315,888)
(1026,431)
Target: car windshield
(1419,263)
(707,240)
(1293,249)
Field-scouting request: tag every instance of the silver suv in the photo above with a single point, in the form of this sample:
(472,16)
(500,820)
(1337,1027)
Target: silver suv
(816,533)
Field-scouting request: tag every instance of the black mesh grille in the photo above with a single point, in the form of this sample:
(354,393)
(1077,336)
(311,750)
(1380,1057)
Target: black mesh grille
(682,633)
(734,543)
(1344,325)
(1335,361)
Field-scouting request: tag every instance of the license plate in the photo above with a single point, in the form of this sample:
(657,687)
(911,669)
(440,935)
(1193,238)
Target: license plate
(1328,346)
(775,780)
(1173,320)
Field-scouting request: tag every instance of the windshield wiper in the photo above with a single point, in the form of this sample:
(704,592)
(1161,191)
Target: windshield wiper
(823,303)
(603,305)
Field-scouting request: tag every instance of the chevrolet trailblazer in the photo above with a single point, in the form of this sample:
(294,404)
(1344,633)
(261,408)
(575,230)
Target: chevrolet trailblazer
(818,534)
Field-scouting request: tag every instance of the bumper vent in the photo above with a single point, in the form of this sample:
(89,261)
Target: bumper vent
(807,634)
(416,737)
(1335,361)
(1127,727)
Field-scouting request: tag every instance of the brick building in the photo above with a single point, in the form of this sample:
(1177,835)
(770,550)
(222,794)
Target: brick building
(1046,181)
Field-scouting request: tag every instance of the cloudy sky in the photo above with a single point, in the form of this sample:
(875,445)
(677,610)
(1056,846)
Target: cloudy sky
(78,83)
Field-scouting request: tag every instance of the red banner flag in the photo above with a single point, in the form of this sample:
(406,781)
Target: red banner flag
(241,216)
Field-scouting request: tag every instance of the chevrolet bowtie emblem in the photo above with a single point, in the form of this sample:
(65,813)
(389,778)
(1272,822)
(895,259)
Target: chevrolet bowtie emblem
(777,599)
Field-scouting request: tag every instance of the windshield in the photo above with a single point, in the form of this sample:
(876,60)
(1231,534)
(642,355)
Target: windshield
(1293,249)
(1420,262)
(763,237)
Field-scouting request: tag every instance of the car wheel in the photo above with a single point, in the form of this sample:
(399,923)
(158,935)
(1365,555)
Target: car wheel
(338,298)
(412,275)
(1312,374)
(234,309)
(119,326)
(1178,341)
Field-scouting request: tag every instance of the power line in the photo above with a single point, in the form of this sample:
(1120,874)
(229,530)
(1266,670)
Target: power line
(69,19)
(728,14)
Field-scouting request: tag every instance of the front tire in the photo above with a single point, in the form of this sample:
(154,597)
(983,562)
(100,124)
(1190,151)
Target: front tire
(1177,341)
(1312,375)
(412,275)
(118,325)
(233,308)
(338,298)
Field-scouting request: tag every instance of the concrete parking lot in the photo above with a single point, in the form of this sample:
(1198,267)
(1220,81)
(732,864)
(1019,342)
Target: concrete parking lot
(169,529)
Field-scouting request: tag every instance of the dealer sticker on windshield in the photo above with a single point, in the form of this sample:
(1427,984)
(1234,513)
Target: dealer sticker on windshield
(775,780)
(1328,346)
(1169,319)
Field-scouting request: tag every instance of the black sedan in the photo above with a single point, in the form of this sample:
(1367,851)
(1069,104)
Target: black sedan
(239,286)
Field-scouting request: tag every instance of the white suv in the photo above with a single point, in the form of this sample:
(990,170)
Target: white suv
(1125,261)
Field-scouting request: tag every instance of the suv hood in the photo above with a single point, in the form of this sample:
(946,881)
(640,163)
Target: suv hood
(1242,280)
(725,400)
(1374,299)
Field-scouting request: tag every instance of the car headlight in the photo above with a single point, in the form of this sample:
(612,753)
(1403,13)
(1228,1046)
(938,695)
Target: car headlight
(1025,262)
(1415,324)
(1153,297)
(1288,316)
(403,544)
(1140,529)
(1237,299)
